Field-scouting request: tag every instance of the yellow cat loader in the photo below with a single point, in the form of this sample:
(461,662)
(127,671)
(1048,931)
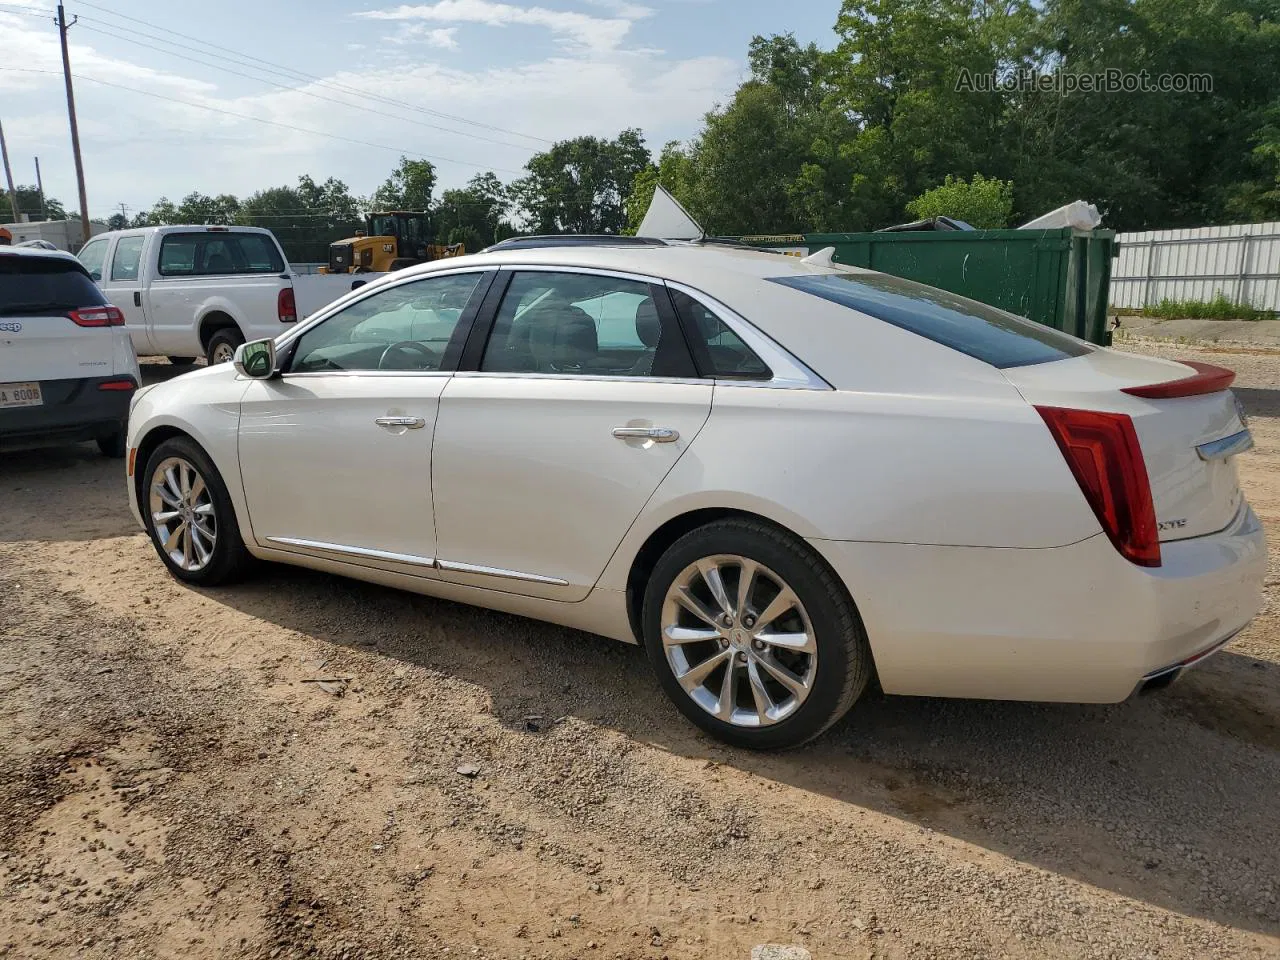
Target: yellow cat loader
(393,240)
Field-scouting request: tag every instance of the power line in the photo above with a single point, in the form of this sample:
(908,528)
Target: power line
(273,123)
(299,90)
(311,78)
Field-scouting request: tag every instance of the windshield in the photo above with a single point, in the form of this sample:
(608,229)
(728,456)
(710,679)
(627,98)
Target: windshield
(976,329)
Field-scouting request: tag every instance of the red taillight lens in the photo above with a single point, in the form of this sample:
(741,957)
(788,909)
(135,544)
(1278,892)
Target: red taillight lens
(1103,453)
(104,316)
(123,384)
(286,306)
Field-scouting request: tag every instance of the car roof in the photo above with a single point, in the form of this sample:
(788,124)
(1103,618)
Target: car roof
(36,252)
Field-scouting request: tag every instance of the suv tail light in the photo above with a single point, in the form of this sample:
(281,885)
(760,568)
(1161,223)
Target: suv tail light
(286,306)
(103,316)
(1103,453)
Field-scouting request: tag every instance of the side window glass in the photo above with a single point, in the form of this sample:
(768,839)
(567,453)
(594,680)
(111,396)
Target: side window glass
(127,258)
(725,356)
(583,325)
(92,255)
(406,327)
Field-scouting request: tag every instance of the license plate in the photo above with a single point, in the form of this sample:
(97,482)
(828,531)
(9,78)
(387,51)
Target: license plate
(20,395)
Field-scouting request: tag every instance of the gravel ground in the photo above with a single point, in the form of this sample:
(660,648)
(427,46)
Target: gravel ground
(472,784)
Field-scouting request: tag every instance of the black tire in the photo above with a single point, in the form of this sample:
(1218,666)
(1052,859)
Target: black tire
(229,560)
(844,665)
(113,444)
(182,361)
(227,337)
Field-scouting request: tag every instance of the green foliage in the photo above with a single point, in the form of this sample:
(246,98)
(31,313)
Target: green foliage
(29,203)
(1219,308)
(410,187)
(982,203)
(475,214)
(580,185)
(305,218)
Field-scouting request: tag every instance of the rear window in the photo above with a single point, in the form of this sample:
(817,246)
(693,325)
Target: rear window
(218,254)
(44,285)
(977,329)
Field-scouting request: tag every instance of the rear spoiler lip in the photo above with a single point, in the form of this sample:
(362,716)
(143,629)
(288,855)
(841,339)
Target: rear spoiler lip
(1208,378)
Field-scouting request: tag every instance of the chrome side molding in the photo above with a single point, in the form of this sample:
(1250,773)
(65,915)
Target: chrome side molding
(1227,446)
(364,552)
(448,566)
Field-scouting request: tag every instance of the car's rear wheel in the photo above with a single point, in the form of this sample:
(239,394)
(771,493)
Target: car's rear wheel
(222,345)
(190,517)
(752,636)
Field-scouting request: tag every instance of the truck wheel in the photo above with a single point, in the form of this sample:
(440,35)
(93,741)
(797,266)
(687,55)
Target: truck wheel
(222,345)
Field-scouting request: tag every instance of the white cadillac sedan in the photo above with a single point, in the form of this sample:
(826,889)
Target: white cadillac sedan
(783,477)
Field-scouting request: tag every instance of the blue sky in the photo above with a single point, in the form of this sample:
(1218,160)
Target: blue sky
(511,75)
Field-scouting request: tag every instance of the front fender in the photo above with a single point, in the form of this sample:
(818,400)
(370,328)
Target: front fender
(204,405)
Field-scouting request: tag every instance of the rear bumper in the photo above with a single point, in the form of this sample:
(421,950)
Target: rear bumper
(73,411)
(1075,623)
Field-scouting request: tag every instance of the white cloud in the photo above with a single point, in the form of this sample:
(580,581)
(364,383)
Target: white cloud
(442,38)
(594,33)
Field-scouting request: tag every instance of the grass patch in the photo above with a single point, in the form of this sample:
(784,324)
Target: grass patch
(1219,308)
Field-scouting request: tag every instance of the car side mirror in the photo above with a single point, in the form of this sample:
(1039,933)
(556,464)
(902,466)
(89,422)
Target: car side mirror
(256,359)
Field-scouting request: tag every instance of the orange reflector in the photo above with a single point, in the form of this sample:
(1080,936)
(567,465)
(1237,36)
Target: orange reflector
(133,456)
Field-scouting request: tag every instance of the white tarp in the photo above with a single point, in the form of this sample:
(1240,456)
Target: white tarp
(1076,214)
(667,220)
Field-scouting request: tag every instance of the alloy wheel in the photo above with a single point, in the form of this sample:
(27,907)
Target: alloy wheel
(739,641)
(224,353)
(182,514)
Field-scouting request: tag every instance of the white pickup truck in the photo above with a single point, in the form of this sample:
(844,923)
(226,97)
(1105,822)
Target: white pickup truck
(188,292)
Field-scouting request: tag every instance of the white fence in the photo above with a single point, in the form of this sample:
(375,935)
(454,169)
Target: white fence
(1241,262)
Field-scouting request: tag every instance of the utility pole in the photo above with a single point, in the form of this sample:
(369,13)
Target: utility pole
(44,211)
(8,176)
(71,115)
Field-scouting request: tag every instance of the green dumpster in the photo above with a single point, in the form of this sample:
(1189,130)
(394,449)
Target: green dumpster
(1056,277)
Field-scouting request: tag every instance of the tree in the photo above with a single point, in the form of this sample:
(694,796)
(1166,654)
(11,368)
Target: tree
(29,203)
(200,208)
(162,213)
(305,218)
(982,203)
(475,214)
(410,187)
(117,221)
(581,185)
(674,171)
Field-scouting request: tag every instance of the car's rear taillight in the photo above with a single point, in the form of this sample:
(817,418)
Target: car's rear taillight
(123,383)
(1103,453)
(286,306)
(103,316)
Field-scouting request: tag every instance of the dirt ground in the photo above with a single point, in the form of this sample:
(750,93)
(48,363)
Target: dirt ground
(171,783)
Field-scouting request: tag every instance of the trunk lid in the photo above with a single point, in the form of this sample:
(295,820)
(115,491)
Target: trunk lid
(1193,496)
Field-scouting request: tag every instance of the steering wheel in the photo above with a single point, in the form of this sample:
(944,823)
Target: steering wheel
(410,346)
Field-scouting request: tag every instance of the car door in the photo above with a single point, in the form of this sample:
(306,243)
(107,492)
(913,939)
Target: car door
(335,454)
(579,402)
(122,282)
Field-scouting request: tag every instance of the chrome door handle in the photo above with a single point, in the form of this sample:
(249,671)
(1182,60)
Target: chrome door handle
(656,434)
(413,423)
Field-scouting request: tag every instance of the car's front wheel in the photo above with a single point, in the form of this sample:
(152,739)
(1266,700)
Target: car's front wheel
(190,517)
(752,636)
